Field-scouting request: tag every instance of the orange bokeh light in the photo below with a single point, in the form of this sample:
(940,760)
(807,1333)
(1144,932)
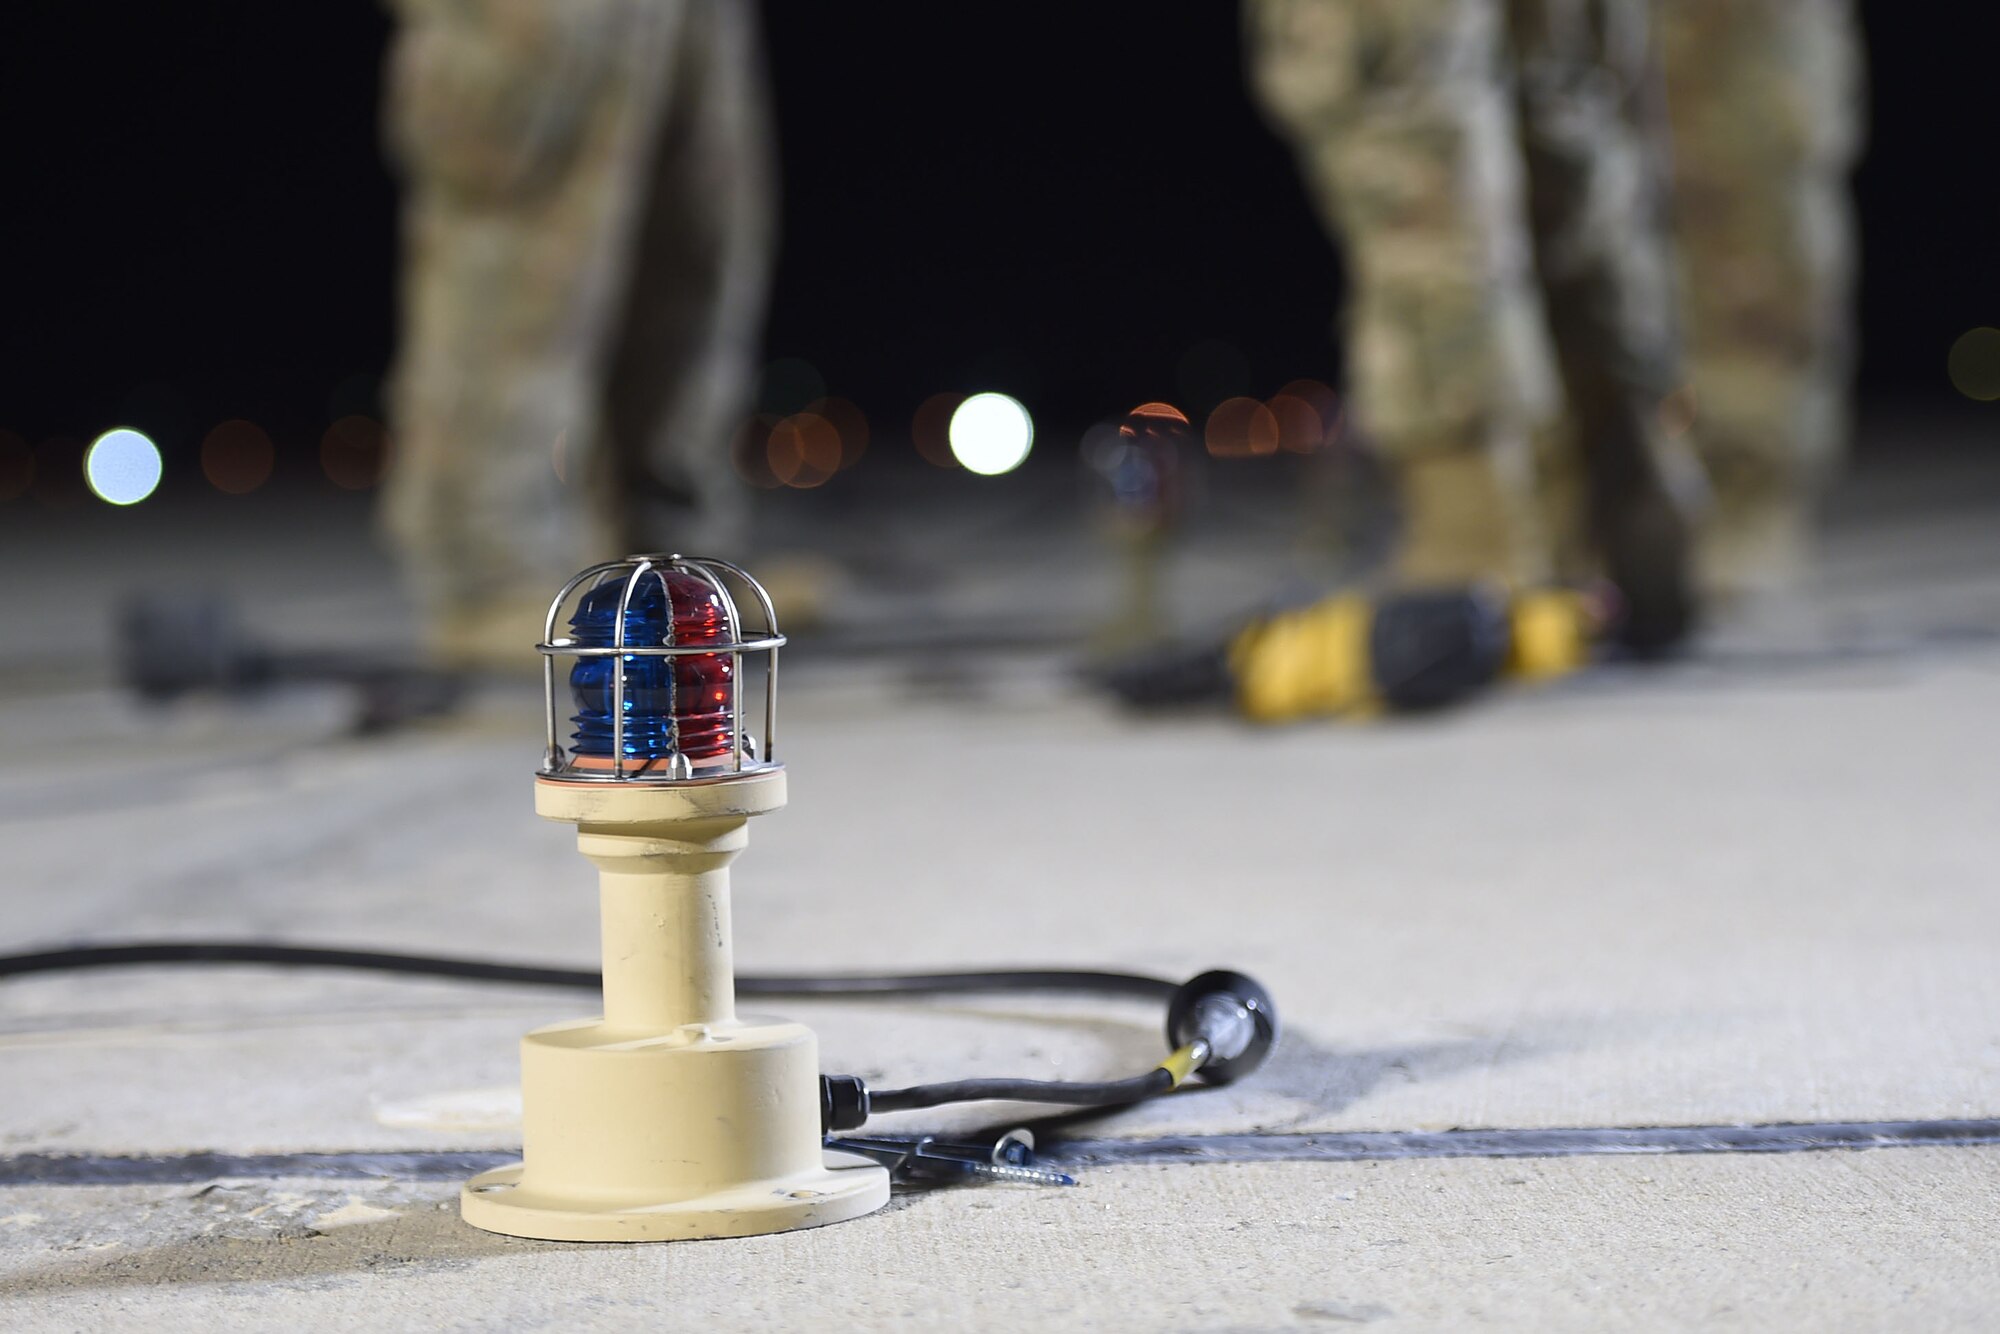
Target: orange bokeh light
(1677,412)
(354,452)
(804,450)
(1241,428)
(1309,416)
(57,481)
(237,457)
(1163,411)
(750,452)
(1299,428)
(17,466)
(930,429)
(851,424)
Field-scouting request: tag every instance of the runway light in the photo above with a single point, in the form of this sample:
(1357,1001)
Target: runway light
(1974,364)
(788,385)
(750,452)
(353,452)
(122,466)
(1241,428)
(668,1117)
(930,429)
(58,479)
(1153,418)
(1210,372)
(1299,428)
(1309,416)
(851,424)
(991,434)
(672,705)
(236,457)
(1677,412)
(17,466)
(804,450)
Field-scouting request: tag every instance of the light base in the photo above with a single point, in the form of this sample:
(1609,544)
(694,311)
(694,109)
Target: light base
(670,1118)
(845,1186)
(706,1130)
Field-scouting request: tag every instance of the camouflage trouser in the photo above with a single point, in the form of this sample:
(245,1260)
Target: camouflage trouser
(1496,173)
(1765,102)
(587,240)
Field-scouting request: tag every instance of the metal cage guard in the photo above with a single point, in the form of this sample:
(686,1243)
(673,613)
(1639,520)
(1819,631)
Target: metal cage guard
(557,763)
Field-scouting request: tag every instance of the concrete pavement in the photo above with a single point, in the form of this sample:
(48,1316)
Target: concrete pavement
(1755,889)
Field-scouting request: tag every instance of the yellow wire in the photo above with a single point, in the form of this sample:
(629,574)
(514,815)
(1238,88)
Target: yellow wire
(1181,1064)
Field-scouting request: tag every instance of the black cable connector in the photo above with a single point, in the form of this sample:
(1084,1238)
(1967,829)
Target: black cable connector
(1233,1014)
(1229,1018)
(844,1103)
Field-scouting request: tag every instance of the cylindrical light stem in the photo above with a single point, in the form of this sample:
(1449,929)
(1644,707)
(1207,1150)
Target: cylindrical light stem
(664,894)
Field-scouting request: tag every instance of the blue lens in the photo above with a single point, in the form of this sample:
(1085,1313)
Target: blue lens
(695,689)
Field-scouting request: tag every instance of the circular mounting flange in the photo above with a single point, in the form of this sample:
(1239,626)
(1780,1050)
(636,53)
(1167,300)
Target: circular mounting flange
(847,1186)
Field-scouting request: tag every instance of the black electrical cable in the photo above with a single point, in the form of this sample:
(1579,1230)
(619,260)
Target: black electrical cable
(1107,1093)
(289,956)
(846,1101)
(1082,981)
(1079,980)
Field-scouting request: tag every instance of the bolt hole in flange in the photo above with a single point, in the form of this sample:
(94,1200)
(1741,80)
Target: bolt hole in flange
(492,1186)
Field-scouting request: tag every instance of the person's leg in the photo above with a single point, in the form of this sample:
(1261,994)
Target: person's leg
(1403,119)
(520,129)
(1765,105)
(682,372)
(1588,91)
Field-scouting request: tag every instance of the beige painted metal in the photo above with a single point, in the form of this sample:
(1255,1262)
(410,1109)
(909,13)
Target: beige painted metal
(669,1117)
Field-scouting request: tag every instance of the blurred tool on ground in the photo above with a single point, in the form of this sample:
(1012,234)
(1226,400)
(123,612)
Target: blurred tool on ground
(1352,656)
(177,643)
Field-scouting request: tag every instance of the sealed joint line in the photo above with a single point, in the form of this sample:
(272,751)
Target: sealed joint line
(58,1169)
(62,1169)
(1374,1145)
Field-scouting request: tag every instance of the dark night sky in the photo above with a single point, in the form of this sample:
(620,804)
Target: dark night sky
(1060,199)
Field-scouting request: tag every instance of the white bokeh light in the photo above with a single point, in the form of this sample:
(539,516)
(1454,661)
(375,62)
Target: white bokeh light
(122,466)
(991,434)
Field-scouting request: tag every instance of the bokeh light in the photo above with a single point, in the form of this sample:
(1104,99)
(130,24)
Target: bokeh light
(358,393)
(991,433)
(354,452)
(1241,428)
(1153,417)
(236,457)
(750,452)
(17,466)
(804,450)
(1974,364)
(1677,412)
(1145,463)
(789,385)
(1309,416)
(1210,372)
(123,466)
(930,428)
(851,424)
(58,481)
